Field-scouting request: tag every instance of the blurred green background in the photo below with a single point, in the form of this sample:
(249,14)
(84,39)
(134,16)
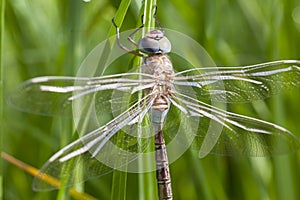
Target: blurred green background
(52,37)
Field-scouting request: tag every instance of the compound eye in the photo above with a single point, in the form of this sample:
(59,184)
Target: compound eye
(149,45)
(155,42)
(164,45)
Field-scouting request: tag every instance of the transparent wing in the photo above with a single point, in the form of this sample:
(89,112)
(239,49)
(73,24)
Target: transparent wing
(227,133)
(54,95)
(99,151)
(241,84)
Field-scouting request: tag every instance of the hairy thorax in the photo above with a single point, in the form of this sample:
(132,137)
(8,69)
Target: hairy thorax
(158,64)
(161,67)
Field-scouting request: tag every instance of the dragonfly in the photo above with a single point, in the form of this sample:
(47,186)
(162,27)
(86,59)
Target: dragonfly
(156,102)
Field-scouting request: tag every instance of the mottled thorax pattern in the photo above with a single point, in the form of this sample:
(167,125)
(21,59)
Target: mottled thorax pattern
(157,64)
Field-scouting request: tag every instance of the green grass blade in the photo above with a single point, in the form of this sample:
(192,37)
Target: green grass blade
(2,11)
(119,16)
(282,164)
(147,181)
(72,60)
(119,181)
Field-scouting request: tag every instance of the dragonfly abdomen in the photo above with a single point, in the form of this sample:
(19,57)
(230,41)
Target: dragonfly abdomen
(159,111)
(162,168)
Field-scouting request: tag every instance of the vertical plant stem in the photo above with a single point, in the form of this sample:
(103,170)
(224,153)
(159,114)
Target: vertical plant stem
(71,62)
(118,18)
(149,9)
(119,178)
(147,181)
(1,81)
(119,181)
(282,167)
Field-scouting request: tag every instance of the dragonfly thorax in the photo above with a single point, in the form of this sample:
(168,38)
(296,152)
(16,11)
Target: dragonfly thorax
(155,42)
(157,64)
(160,66)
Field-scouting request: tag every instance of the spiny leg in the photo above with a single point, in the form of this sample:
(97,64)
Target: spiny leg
(121,45)
(136,30)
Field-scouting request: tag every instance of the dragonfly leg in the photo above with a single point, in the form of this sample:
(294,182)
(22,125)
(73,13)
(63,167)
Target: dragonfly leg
(121,45)
(136,30)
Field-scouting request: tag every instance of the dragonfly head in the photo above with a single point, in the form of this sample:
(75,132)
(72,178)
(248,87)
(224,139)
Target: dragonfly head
(155,42)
